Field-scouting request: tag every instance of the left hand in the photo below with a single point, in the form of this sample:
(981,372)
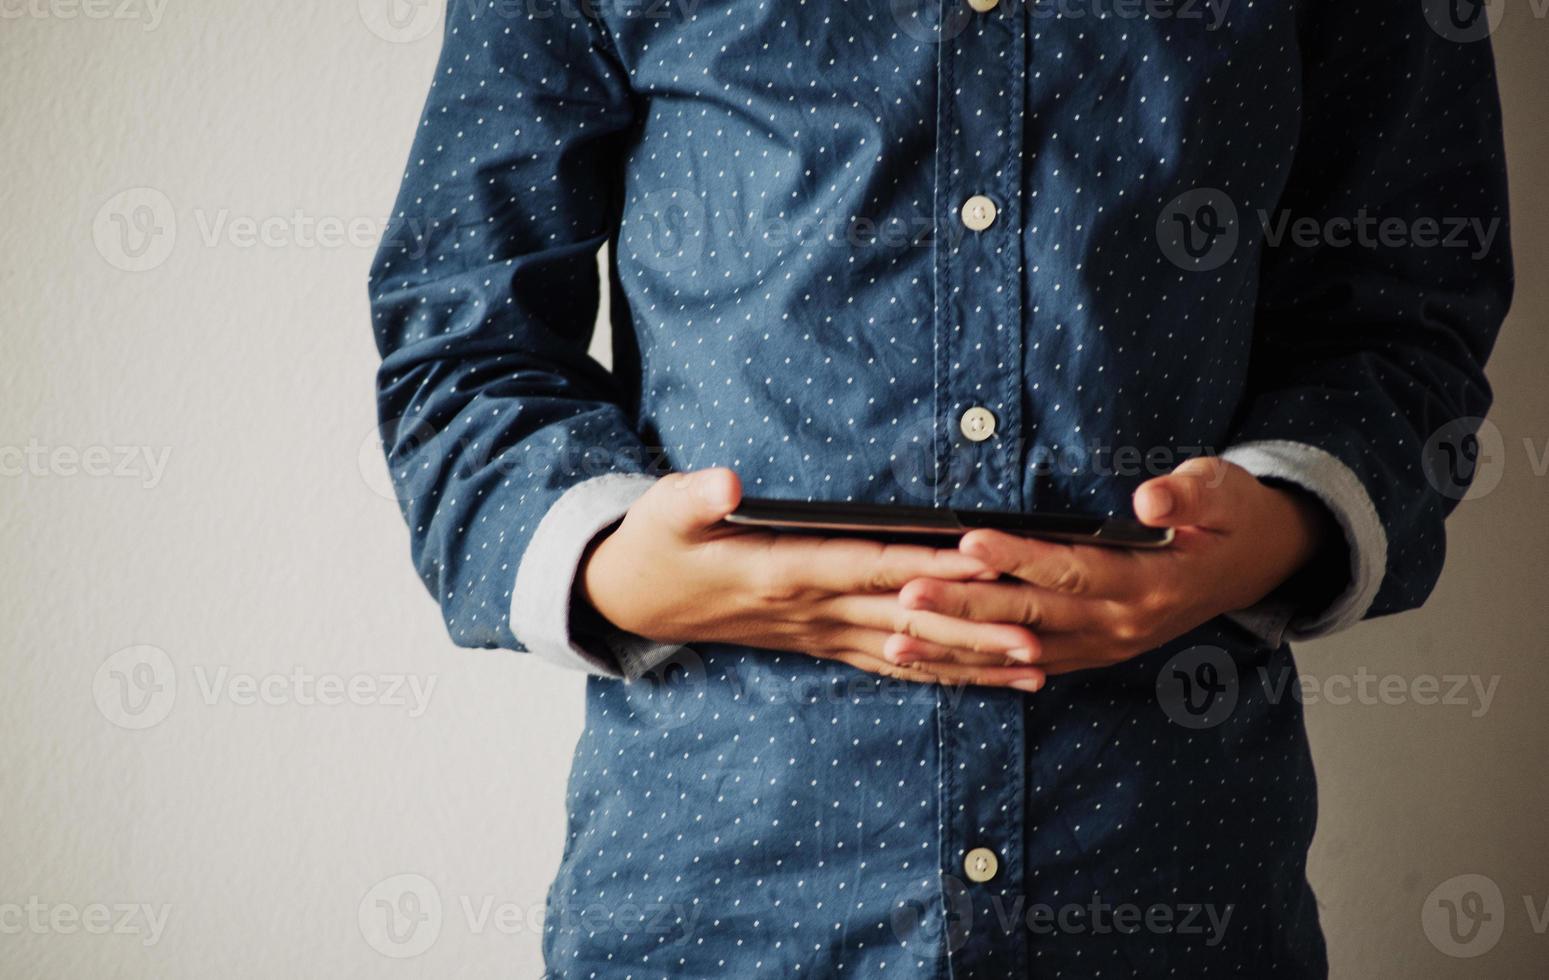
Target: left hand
(1236,540)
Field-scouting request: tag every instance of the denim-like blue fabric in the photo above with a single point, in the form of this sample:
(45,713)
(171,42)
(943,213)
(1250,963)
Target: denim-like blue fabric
(1214,224)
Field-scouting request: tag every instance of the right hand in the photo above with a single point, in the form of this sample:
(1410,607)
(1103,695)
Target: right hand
(671,572)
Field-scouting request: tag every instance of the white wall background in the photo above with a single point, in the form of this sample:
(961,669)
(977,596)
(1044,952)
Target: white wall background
(246,534)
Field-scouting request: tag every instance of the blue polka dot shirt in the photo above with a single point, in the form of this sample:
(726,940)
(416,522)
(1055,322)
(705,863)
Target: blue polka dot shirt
(1008,254)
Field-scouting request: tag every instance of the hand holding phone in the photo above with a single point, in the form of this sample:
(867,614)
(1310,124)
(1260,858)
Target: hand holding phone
(674,571)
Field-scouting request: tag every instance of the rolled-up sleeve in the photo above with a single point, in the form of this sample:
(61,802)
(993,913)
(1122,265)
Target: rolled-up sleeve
(484,295)
(555,622)
(1370,344)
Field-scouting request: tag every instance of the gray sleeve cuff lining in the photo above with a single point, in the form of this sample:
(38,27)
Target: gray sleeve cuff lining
(546,578)
(1336,485)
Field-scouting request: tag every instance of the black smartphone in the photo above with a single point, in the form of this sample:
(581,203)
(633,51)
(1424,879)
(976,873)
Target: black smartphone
(936,525)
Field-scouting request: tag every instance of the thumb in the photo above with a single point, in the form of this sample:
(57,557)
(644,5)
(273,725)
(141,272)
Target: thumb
(1193,495)
(687,504)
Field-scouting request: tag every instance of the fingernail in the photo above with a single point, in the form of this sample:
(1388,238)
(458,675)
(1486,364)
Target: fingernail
(1161,502)
(1024,654)
(1031,685)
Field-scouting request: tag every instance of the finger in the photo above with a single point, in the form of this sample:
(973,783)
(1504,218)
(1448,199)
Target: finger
(858,640)
(1068,653)
(940,634)
(876,645)
(1028,679)
(1005,602)
(904,649)
(851,565)
(950,673)
(688,504)
(1082,571)
(1193,495)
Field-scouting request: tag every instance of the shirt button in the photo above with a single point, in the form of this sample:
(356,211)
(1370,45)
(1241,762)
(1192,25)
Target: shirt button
(978,212)
(983,6)
(978,423)
(981,864)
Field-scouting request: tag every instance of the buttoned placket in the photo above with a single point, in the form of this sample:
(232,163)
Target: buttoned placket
(981,98)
